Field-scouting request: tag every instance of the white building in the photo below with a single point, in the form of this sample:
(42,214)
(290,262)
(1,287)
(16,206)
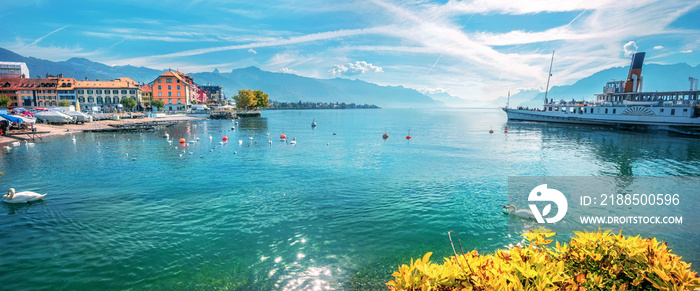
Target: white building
(13,70)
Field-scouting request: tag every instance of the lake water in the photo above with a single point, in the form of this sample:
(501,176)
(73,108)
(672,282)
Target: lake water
(340,210)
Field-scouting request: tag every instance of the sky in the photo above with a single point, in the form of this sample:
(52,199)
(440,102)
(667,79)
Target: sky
(476,49)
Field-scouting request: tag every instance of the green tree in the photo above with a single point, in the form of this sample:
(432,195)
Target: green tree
(158,104)
(129,103)
(261,99)
(245,99)
(5,100)
(64,103)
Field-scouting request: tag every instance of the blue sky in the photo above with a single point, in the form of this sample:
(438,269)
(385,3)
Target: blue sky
(471,49)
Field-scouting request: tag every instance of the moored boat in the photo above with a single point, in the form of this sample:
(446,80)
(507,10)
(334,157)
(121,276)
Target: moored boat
(622,103)
(53,116)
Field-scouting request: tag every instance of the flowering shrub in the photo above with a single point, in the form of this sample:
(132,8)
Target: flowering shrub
(591,261)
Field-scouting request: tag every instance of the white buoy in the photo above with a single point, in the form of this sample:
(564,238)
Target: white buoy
(210,138)
(240,142)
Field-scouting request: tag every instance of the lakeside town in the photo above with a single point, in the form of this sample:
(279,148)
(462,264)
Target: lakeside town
(177,91)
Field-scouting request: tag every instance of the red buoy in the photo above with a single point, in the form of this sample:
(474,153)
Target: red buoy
(385,136)
(506,131)
(182,140)
(283,136)
(408,137)
(224,138)
(491,131)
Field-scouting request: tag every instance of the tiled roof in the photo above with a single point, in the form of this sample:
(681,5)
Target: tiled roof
(146,88)
(27,84)
(114,84)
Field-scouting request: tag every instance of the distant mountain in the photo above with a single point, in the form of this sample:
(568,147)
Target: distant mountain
(655,78)
(448,99)
(293,88)
(279,86)
(79,68)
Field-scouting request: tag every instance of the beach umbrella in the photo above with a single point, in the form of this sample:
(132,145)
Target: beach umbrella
(77,105)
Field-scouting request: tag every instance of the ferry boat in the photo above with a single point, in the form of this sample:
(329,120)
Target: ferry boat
(622,103)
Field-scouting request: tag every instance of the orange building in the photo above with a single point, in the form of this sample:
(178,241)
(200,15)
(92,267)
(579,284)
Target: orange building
(174,89)
(30,92)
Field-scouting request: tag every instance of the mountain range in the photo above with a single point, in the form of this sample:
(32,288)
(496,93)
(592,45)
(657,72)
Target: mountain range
(279,86)
(286,87)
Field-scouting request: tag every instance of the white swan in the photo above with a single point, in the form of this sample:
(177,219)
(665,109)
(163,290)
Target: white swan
(522,213)
(293,142)
(21,197)
(15,144)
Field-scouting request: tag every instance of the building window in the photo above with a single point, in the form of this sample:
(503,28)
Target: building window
(90,99)
(662,110)
(123,92)
(170,94)
(178,87)
(81,99)
(614,111)
(108,100)
(170,101)
(160,87)
(99,100)
(107,92)
(115,92)
(80,92)
(132,91)
(98,91)
(168,80)
(160,94)
(170,87)
(606,111)
(159,80)
(178,94)
(89,91)
(179,101)
(673,111)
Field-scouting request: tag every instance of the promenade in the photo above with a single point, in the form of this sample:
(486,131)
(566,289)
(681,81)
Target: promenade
(55,130)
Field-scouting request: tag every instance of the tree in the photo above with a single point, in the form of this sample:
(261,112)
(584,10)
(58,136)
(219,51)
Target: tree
(261,99)
(5,100)
(245,99)
(64,103)
(158,104)
(129,102)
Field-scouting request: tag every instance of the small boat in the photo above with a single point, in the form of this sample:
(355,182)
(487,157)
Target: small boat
(79,117)
(53,116)
(313,123)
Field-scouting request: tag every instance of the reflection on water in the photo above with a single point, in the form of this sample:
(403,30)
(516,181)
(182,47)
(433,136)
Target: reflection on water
(339,210)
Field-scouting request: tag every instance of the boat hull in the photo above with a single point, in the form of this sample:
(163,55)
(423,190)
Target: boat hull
(600,119)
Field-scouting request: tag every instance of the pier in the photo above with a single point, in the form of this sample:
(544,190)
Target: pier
(142,126)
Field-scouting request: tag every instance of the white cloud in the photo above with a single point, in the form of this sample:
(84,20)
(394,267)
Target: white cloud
(629,48)
(252,51)
(686,51)
(358,67)
(288,71)
(658,47)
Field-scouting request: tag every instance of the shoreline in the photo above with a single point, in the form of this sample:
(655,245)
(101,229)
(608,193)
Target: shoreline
(58,130)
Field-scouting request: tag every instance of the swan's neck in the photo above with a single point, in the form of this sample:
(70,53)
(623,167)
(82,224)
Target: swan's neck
(514,208)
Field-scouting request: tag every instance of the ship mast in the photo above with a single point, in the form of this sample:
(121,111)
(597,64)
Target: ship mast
(548,77)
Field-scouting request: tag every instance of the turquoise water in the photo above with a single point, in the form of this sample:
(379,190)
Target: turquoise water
(333,212)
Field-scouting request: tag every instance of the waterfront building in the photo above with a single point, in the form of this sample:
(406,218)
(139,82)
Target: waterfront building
(65,90)
(146,95)
(26,92)
(177,90)
(13,70)
(106,96)
(215,94)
